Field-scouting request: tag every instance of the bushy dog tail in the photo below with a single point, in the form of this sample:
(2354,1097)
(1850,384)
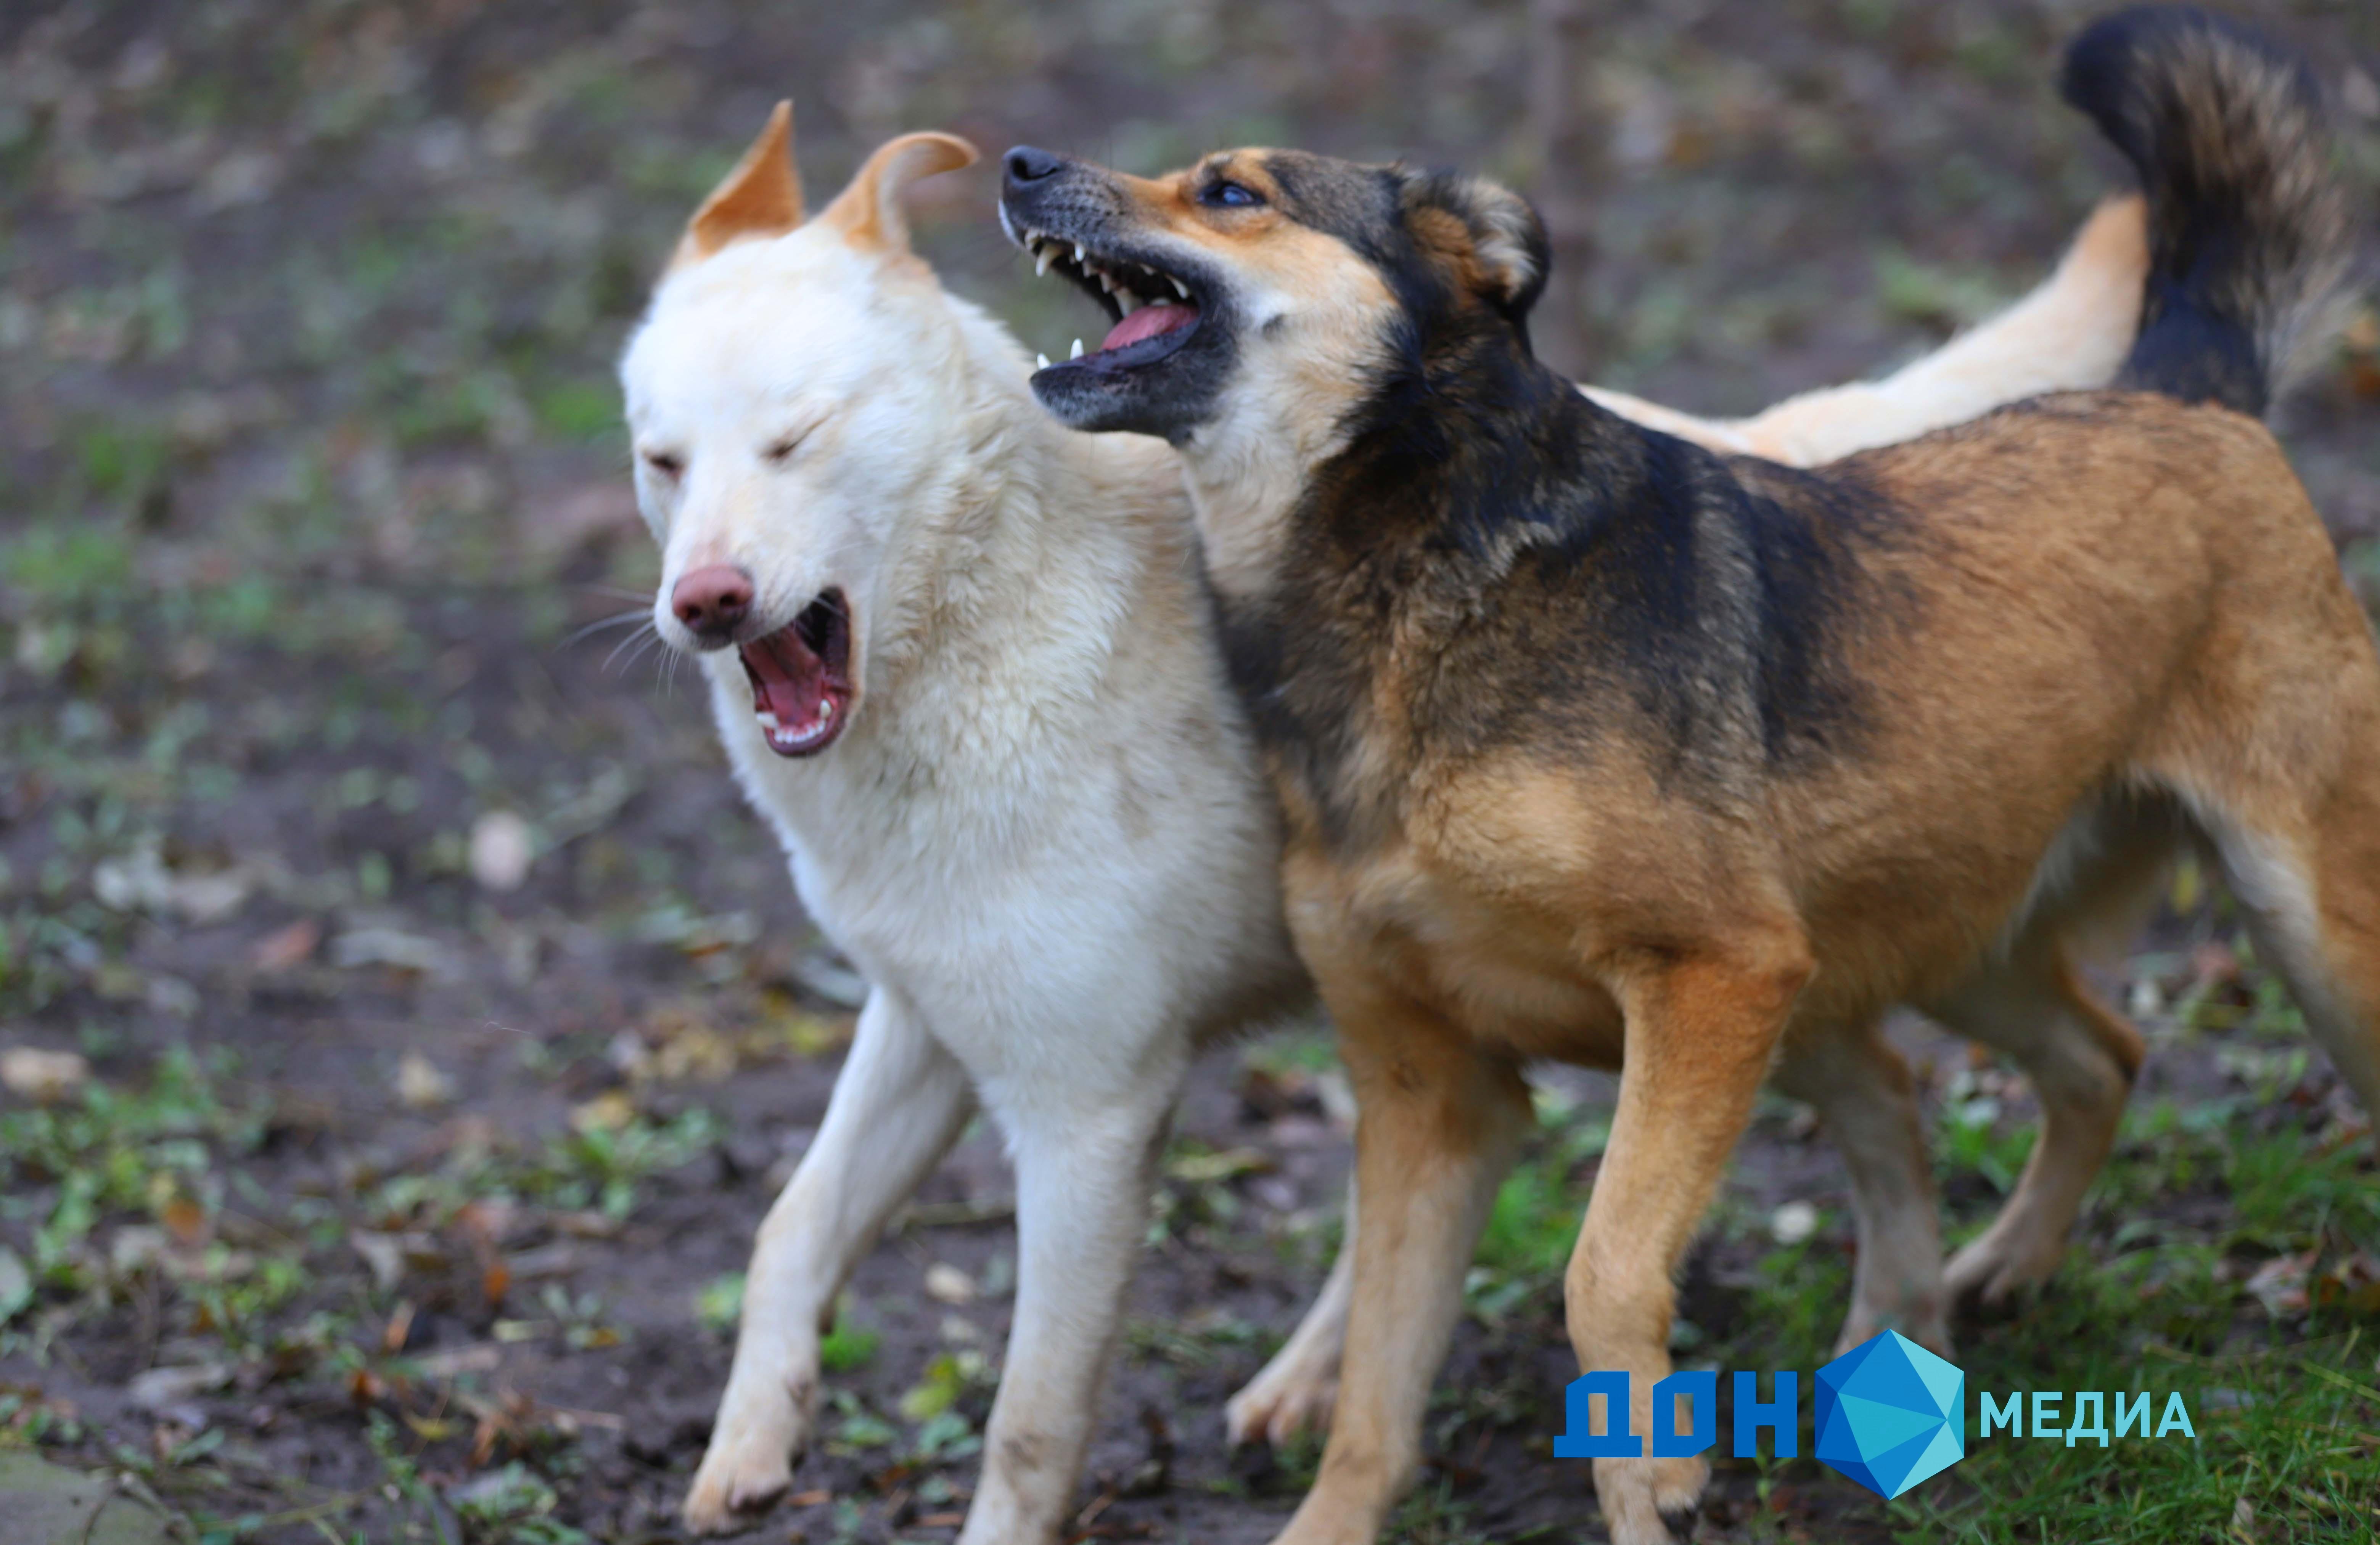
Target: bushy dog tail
(2249,234)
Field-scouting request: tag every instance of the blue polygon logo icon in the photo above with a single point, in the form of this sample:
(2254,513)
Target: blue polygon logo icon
(1891,1413)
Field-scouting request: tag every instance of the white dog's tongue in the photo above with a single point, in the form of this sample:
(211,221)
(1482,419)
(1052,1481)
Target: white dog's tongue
(1147,322)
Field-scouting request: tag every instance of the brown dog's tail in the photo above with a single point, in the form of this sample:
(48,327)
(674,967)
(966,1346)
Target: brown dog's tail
(2249,235)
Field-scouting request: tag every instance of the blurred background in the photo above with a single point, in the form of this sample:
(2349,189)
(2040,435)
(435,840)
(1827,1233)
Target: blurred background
(380,943)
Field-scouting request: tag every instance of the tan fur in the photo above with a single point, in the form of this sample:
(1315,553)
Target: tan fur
(868,213)
(760,195)
(2142,588)
(2057,628)
(2068,334)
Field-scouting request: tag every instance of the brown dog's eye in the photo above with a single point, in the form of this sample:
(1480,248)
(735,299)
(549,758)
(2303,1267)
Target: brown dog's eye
(664,462)
(1230,196)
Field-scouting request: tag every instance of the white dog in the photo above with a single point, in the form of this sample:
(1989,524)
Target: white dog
(961,659)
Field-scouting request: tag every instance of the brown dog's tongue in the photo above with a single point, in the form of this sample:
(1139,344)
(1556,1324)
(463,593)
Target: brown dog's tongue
(1147,322)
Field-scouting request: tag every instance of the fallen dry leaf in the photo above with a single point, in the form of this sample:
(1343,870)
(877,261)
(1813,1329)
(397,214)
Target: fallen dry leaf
(287,948)
(946,1284)
(419,1084)
(503,848)
(608,1112)
(44,1075)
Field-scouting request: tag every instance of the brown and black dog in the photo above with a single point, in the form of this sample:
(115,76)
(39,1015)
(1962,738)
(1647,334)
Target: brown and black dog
(1596,746)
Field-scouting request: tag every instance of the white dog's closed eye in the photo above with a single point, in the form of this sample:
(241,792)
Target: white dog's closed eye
(781,447)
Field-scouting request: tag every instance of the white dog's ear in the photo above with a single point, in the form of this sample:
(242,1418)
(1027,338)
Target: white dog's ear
(869,212)
(762,197)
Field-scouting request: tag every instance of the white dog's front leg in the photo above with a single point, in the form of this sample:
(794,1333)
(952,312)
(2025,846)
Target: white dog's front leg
(1295,1391)
(897,1106)
(1082,1206)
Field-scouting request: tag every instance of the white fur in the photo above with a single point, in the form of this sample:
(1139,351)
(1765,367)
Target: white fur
(1040,836)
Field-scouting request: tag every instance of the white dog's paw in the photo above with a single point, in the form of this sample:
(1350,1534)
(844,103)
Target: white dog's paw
(751,1461)
(1290,1396)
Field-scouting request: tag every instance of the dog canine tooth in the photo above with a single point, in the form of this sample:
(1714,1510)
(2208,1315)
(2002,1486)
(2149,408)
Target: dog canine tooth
(1180,287)
(1040,361)
(1078,252)
(1128,302)
(1041,256)
(1078,350)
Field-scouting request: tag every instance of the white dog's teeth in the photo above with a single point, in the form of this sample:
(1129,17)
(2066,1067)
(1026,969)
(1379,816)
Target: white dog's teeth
(1078,350)
(1161,301)
(1078,252)
(767,721)
(1128,302)
(1184,290)
(1040,361)
(1041,256)
(1105,283)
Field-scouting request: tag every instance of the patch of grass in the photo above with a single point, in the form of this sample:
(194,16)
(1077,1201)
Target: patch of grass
(2285,1402)
(69,569)
(2283,1447)
(1534,1222)
(150,1149)
(579,409)
(848,1346)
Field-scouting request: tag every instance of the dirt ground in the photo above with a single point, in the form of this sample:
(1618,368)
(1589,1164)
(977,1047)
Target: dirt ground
(446,1023)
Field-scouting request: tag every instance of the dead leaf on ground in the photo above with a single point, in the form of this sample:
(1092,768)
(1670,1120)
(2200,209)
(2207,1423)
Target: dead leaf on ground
(502,849)
(608,1112)
(946,1284)
(419,1084)
(287,948)
(42,1076)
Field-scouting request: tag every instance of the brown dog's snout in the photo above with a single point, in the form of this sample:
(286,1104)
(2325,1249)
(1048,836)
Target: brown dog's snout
(1026,164)
(712,602)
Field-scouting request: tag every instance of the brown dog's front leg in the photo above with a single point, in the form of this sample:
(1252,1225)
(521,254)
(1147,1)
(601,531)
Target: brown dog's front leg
(1700,1029)
(1439,1124)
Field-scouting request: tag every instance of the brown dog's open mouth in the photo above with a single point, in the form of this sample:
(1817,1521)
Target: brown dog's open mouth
(801,678)
(1153,312)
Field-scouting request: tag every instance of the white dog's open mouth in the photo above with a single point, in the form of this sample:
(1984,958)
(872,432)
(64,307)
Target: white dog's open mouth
(801,678)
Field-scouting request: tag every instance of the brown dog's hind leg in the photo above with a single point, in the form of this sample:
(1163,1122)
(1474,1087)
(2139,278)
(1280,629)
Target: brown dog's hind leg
(2079,1057)
(1440,1123)
(1868,1105)
(1702,1024)
(2312,892)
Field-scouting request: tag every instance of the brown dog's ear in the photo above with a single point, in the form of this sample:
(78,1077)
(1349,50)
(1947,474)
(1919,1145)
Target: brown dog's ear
(1503,250)
(762,197)
(868,213)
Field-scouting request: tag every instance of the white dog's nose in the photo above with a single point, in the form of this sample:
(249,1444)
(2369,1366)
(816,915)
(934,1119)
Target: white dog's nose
(712,602)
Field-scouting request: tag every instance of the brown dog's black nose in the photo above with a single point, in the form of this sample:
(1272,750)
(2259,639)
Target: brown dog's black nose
(1026,164)
(712,602)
